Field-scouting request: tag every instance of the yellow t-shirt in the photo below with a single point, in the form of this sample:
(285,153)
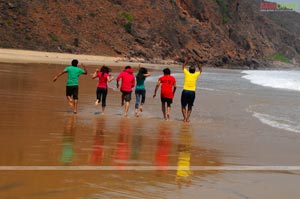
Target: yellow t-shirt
(190,80)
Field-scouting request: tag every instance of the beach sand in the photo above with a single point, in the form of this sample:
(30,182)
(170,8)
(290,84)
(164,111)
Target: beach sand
(48,152)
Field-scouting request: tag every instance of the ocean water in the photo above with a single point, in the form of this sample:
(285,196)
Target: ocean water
(283,111)
(289,80)
(274,95)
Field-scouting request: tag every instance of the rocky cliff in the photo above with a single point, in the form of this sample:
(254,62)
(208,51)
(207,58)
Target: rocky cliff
(220,32)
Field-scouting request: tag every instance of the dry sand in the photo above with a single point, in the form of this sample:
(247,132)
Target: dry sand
(39,57)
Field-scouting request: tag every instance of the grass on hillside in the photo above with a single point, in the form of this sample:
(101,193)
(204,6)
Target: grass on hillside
(280,57)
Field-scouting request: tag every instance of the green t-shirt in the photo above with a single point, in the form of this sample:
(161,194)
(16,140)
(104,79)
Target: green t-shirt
(73,75)
(140,83)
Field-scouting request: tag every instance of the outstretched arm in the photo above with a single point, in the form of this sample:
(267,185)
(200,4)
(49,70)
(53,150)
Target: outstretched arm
(197,60)
(118,79)
(95,74)
(174,88)
(187,58)
(84,68)
(147,74)
(58,75)
(110,78)
(156,88)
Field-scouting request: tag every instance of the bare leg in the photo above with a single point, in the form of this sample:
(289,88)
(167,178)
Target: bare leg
(163,108)
(70,101)
(122,99)
(189,113)
(183,109)
(75,106)
(168,112)
(126,109)
(141,107)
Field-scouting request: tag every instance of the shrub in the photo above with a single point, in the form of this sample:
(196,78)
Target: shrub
(128,24)
(280,57)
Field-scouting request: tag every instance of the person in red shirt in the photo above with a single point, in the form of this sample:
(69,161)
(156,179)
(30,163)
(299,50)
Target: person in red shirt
(168,88)
(104,77)
(128,82)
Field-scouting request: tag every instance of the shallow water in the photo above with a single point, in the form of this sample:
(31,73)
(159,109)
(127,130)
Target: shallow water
(143,157)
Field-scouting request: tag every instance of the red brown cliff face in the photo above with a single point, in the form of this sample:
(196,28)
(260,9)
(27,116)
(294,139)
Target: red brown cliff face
(220,32)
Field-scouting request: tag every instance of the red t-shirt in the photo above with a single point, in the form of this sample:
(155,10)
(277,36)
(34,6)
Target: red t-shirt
(167,82)
(128,80)
(102,82)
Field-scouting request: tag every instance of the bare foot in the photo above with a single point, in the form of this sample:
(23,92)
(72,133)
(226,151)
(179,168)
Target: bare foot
(168,116)
(97,102)
(141,108)
(136,113)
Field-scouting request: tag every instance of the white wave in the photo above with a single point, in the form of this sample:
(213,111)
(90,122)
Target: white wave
(278,122)
(275,79)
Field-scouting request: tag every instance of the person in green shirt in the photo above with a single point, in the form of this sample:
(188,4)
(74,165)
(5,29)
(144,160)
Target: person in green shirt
(72,82)
(189,88)
(140,91)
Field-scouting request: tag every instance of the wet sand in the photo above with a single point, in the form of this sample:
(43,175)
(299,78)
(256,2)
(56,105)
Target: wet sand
(143,157)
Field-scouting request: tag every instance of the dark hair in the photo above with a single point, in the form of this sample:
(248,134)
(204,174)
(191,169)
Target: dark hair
(127,67)
(104,69)
(141,73)
(166,71)
(192,69)
(74,62)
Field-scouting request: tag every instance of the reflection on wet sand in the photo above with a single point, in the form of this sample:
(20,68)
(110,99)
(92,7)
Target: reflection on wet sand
(183,175)
(36,130)
(136,142)
(67,155)
(163,146)
(121,154)
(98,151)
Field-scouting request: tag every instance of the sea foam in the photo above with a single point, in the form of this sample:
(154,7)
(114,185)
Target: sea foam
(276,79)
(278,122)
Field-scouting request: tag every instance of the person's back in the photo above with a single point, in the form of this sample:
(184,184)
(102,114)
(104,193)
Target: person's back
(167,83)
(72,82)
(189,88)
(140,89)
(140,82)
(128,82)
(168,88)
(190,80)
(73,75)
(102,79)
(128,79)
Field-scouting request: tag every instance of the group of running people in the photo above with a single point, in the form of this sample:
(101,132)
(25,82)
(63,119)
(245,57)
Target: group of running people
(129,80)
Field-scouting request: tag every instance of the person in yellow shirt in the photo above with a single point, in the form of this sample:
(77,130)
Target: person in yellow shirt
(189,87)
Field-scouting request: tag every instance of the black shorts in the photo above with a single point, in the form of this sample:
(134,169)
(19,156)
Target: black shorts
(126,95)
(187,98)
(72,91)
(168,100)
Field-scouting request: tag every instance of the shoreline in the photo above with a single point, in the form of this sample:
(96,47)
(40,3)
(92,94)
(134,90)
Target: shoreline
(42,57)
